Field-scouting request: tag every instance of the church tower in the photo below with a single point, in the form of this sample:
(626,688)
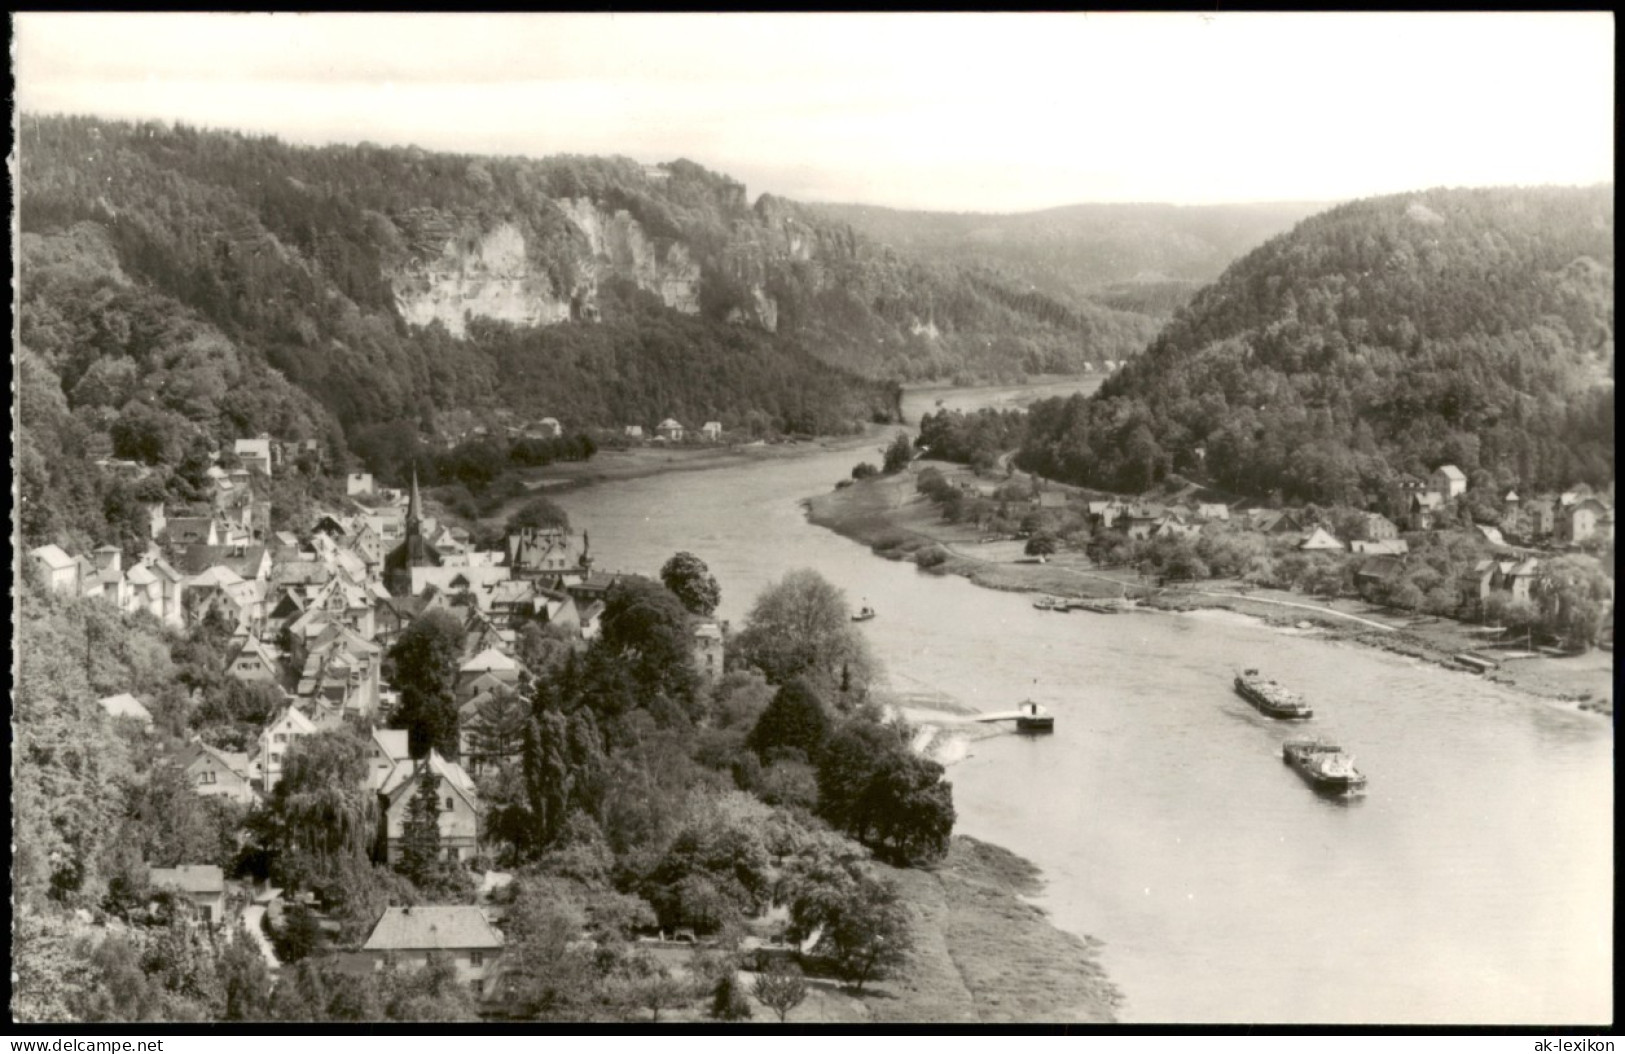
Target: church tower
(414,550)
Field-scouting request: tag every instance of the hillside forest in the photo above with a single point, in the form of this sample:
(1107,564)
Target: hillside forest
(1383,337)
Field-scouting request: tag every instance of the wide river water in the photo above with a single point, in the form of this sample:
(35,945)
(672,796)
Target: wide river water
(1472,884)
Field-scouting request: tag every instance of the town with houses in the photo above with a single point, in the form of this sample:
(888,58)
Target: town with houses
(314,615)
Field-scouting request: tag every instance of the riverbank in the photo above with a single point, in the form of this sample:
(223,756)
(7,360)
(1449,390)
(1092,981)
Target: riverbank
(982,954)
(890,517)
(642,462)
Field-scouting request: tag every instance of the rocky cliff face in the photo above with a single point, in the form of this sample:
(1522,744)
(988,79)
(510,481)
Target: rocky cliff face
(488,275)
(548,267)
(529,277)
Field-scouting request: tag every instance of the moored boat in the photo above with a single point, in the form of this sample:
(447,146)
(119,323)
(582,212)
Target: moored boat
(1049,603)
(1271,697)
(864,614)
(1099,607)
(1324,765)
(1030,717)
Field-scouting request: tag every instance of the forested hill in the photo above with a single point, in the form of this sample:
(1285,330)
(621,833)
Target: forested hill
(1384,336)
(1142,258)
(336,264)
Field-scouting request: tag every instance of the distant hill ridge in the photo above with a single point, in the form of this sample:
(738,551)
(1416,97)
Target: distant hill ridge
(1089,253)
(1384,336)
(265,239)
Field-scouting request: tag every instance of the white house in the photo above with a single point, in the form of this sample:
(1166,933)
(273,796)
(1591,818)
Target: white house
(712,430)
(219,774)
(59,570)
(405,938)
(274,742)
(454,793)
(357,483)
(669,429)
(1449,481)
(204,885)
(254,453)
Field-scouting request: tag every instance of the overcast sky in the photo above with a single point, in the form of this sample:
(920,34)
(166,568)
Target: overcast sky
(963,112)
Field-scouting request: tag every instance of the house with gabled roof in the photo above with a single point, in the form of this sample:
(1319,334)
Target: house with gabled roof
(215,773)
(1577,521)
(254,453)
(341,677)
(1321,540)
(254,660)
(669,429)
(59,571)
(460,807)
(191,530)
(405,938)
(490,661)
(1449,482)
(386,749)
(712,430)
(202,885)
(1378,528)
(1517,577)
(274,742)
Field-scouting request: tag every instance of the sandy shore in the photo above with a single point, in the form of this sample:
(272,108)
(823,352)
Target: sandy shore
(896,522)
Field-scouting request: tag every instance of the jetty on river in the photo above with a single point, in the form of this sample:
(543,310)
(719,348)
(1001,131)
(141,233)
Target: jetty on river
(1029,717)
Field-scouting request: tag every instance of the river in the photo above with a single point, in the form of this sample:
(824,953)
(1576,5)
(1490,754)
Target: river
(1472,884)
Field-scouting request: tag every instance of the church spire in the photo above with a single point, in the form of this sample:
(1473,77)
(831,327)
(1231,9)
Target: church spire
(414,505)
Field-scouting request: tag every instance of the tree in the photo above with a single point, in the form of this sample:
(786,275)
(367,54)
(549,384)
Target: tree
(432,993)
(864,470)
(299,937)
(728,1002)
(871,786)
(898,454)
(245,979)
(658,991)
(496,730)
(321,813)
(539,513)
(794,721)
(801,626)
(861,921)
(1040,545)
(420,832)
(692,583)
(645,629)
(780,988)
(426,660)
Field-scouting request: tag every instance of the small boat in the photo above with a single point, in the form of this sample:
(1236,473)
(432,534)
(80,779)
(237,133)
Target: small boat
(865,613)
(1030,717)
(1048,603)
(1271,697)
(1324,765)
(1099,607)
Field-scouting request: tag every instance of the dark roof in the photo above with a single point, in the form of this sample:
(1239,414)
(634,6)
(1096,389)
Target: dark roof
(243,560)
